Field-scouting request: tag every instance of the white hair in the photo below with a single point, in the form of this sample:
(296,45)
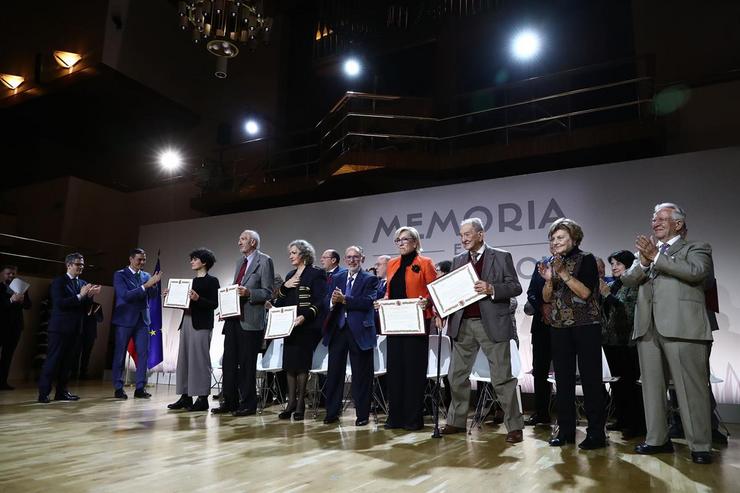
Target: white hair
(677,213)
(475,222)
(253,235)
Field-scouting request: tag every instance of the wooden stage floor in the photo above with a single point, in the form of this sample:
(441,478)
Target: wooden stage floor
(104,445)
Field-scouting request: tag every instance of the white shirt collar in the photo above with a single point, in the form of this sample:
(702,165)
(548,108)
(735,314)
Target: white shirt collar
(71,277)
(670,242)
(134,272)
(480,250)
(251,256)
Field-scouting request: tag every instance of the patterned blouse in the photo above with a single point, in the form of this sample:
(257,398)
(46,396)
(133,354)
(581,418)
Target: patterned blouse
(568,310)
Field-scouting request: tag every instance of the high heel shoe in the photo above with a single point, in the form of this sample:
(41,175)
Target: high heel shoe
(298,416)
(287,413)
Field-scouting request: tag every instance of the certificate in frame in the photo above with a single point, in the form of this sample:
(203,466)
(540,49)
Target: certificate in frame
(401,317)
(228,301)
(280,321)
(455,290)
(178,293)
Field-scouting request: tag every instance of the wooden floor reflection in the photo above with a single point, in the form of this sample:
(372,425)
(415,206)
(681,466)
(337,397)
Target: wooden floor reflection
(104,445)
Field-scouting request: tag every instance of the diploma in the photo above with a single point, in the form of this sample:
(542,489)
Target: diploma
(19,286)
(280,322)
(228,301)
(401,317)
(455,290)
(178,293)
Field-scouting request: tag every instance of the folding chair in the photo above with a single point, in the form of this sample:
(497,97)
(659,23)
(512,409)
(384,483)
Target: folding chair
(270,362)
(481,374)
(433,392)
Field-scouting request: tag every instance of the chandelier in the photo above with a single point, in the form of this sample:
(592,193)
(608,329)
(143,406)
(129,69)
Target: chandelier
(224,25)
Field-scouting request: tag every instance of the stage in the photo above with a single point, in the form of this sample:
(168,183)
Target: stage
(107,445)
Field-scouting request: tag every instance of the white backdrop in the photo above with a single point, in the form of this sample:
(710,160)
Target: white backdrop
(612,202)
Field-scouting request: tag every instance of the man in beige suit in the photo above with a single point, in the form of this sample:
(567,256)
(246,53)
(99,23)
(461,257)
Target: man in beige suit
(672,330)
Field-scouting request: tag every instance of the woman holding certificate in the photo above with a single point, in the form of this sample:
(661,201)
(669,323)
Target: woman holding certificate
(194,358)
(304,287)
(572,286)
(408,276)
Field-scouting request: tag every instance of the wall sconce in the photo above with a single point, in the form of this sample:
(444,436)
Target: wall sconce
(66,59)
(12,82)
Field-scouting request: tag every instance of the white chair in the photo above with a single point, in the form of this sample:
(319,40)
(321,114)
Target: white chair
(481,374)
(216,351)
(319,366)
(380,359)
(433,392)
(270,362)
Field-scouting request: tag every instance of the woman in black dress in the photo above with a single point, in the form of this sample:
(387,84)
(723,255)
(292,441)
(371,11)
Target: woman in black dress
(305,287)
(194,358)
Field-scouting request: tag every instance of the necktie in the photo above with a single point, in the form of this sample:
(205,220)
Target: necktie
(76,284)
(242,270)
(348,288)
(664,248)
(138,278)
(474,257)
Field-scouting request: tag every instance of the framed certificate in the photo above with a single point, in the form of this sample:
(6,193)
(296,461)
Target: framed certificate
(178,293)
(228,301)
(401,317)
(454,291)
(280,322)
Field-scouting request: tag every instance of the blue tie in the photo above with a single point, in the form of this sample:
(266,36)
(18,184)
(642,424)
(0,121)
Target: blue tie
(664,248)
(347,291)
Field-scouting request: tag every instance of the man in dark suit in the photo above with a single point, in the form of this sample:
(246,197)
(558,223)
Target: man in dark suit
(486,324)
(330,262)
(12,305)
(134,290)
(381,268)
(243,335)
(350,328)
(71,297)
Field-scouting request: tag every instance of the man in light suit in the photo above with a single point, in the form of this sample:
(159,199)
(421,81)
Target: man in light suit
(672,327)
(350,328)
(243,335)
(134,290)
(486,324)
(71,297)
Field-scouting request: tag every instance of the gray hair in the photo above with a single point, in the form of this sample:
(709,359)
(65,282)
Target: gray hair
(70,259)
(305,249)
(475,222)
(383,257)
(414,234)
(356,248)
(677,213)
(254,235)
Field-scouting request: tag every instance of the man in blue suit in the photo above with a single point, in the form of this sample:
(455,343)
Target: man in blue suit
(350,328)
(134,289)
(71,297)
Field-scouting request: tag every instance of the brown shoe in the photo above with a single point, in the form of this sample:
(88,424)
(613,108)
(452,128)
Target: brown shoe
(450,430)
(514,436)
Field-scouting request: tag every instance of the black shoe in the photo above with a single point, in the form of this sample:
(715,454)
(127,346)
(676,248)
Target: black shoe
(200,404)
(222,410)
(592,443)
(676,432)
(287,413)
(646,449)
(535,420)
(141,394)
(719,438)
(361,422)
(120,394)
(184,402)
(244,411)
(298,416)
(616,426)
(66,396)
(560,440)
(43,399)
(331,421)
(701,457)
(5,386)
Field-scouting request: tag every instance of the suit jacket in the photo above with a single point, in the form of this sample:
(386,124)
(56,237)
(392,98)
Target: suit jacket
(498,270)
(671,292)
(416,282)
(357,306)
(11,314)
(67,310)
(132,302)
(258,278)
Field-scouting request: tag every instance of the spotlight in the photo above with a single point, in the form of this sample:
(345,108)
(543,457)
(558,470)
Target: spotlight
(170,159)
(526,45)
(66,59)
(12,82)
(352,67)
(252,127)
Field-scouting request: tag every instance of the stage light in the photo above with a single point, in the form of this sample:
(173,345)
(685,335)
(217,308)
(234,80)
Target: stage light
(526,45)
(352,67)
(170,159)
(252,127)
(12,82)
(66,59)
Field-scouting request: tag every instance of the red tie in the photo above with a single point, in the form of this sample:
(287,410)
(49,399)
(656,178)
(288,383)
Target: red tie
(240,275)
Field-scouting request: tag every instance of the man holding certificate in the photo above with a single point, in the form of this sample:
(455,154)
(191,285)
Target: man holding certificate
(350,328)
(243,333)
(484,324)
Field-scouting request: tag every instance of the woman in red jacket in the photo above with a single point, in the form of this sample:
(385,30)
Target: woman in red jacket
(408,276)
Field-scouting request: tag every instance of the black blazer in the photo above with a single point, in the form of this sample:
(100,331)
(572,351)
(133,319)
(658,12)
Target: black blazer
(67,310)
(201,310)
(309,296)
(11,314)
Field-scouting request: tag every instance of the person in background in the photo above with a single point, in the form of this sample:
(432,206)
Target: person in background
(12,305)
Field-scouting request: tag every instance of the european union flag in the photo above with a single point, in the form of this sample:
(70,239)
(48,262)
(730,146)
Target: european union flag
(155,329)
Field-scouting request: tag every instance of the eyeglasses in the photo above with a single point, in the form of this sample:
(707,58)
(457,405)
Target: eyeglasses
(78,264)
(352,257)
(398,241)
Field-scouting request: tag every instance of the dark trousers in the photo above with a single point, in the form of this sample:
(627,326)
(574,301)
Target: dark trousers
(240,365)
(9,337)
(84,350)
(59,362)
(626,392)
(583,343)
(141,336)
(541,360)
(361,362)
(407,376)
